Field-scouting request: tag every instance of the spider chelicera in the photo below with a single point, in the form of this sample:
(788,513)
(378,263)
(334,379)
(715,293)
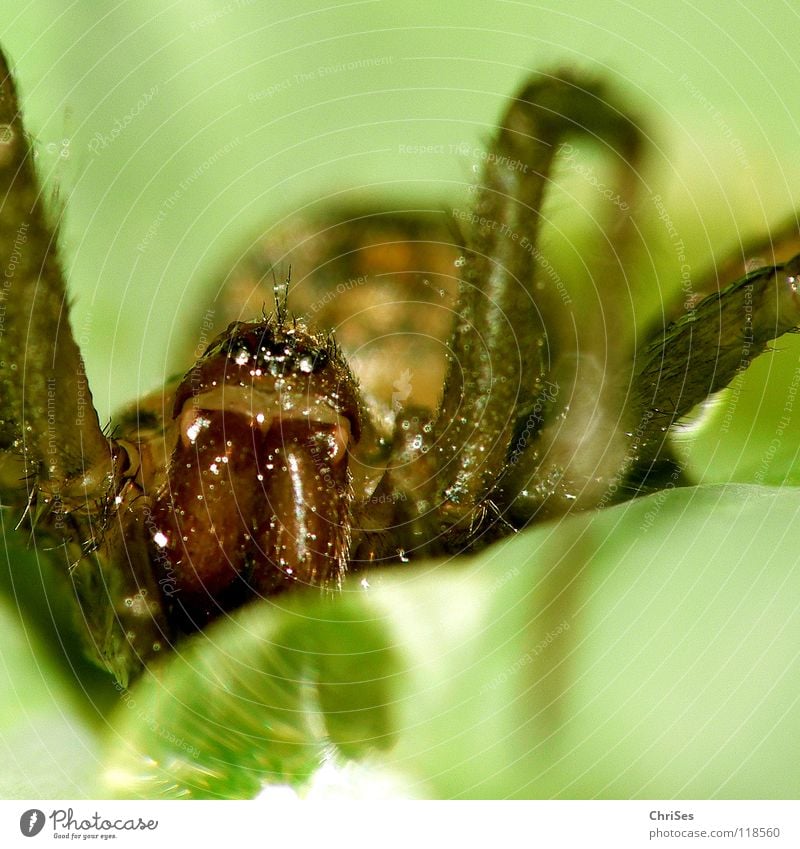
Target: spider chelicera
(268,465)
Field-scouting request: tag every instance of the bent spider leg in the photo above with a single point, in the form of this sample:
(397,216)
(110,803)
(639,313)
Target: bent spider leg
(554,459)
(512,338)
(701,353)
(507,334)
(54,457)
(569,449)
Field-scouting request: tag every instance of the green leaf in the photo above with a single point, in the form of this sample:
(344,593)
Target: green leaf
(48,746)
(648,651)
(266,697)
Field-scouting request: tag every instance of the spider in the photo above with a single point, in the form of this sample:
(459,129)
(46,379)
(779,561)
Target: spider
(269,466)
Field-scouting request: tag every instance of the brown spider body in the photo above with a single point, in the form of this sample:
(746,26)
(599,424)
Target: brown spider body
(271,465)
(258,494)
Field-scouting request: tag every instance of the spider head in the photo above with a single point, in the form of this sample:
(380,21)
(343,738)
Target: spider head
(258,491)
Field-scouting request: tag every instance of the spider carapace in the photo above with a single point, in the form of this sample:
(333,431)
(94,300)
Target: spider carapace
(268,465)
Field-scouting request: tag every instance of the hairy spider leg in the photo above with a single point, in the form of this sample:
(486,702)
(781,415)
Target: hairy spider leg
(569,446)
(43,387)
(55,461)
(703,351)
(456,481)
(538,466)
(660,399)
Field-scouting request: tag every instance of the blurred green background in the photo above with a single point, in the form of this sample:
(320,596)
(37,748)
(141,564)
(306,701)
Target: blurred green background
(175,134)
